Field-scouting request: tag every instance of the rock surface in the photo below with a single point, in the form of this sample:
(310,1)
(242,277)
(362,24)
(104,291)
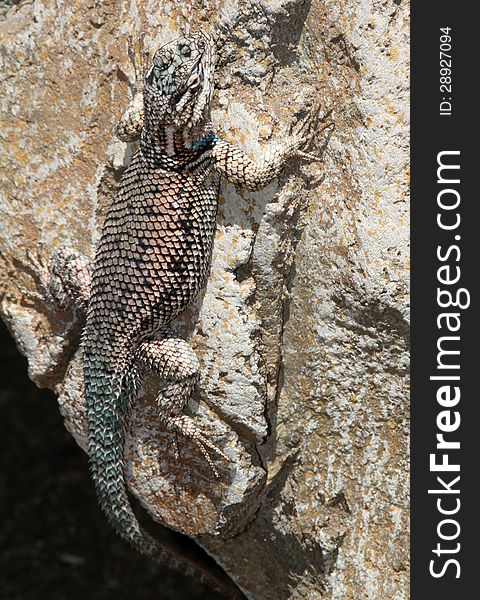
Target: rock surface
(302,331)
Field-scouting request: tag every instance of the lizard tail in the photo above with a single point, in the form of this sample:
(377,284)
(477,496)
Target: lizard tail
(107,402)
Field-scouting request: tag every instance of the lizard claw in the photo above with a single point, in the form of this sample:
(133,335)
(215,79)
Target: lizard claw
(304,132)
(201,438)
(139,58)
(176,449)
(41,274)
(35,265)
(307,156)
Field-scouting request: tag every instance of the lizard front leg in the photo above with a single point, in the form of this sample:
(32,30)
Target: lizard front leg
(237,168)
(130,125)
(176,363)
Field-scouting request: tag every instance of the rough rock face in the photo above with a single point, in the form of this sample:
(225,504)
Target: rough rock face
(302,331)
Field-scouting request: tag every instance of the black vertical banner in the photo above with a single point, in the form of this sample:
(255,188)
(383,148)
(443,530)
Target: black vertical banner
(445,321)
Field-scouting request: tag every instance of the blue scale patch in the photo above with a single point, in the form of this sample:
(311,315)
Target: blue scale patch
(205,141)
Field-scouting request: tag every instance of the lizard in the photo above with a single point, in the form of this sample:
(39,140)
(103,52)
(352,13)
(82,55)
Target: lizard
(152,258)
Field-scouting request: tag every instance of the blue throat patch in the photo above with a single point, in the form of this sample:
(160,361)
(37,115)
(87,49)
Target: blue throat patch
(203,143)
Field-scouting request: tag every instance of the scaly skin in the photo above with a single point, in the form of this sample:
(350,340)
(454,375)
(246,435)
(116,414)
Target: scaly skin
(153,257)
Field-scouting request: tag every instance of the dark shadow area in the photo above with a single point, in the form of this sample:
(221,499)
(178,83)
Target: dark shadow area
(55,543)
(293,558)
(293,20)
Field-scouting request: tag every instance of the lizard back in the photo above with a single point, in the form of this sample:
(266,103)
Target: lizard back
(155,248)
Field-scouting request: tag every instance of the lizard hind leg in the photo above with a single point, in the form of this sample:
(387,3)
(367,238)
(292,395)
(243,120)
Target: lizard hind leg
(64,281)
(71,278)
(176,363)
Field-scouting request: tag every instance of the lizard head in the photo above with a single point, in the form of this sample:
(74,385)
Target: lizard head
(179,82)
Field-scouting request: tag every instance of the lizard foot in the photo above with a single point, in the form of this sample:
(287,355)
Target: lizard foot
(304,132)
(35,265)
(62,282)
(129,127)
(139,58)
(187,427)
